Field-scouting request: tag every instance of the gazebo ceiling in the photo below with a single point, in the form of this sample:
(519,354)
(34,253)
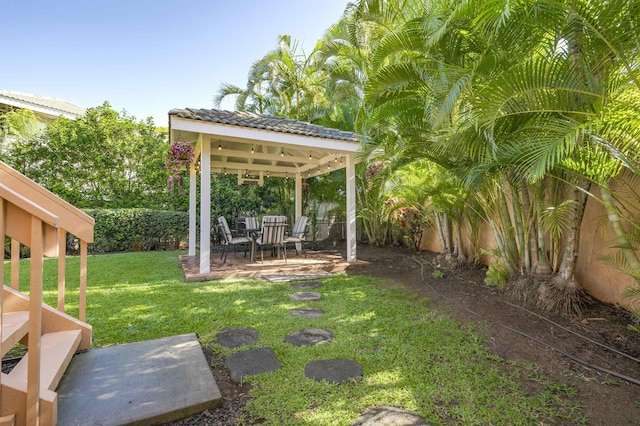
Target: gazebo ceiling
(262,146)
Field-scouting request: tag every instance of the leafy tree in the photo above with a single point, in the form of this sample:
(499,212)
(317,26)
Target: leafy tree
(17,125)
(104,159)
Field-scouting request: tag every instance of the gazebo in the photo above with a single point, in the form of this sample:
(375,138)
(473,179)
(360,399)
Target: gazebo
(255,147)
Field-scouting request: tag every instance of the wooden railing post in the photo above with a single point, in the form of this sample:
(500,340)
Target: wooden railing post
(82,303)
(35,321)
(15,264)
(2,227)
(62,257)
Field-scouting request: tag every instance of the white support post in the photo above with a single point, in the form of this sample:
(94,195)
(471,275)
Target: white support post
(205,208)
(192,210)
(298,195)
(298,204)
(351,209)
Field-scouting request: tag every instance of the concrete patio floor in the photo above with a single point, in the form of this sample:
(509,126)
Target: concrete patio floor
(316,263)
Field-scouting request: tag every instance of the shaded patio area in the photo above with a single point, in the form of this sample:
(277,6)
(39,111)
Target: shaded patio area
(316,264)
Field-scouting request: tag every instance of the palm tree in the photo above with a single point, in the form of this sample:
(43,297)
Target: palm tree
(283,82)
(490,89)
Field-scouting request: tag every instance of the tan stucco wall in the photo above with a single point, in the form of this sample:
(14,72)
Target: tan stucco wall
(601,280)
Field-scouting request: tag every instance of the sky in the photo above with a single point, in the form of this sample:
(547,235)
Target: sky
(147,56)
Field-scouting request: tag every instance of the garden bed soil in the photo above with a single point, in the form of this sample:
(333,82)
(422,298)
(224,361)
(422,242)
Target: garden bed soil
(511,332)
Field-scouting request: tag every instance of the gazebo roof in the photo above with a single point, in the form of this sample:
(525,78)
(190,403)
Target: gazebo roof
(259,145)
(264,122)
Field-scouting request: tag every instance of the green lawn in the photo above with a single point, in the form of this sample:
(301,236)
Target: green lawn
(412,356)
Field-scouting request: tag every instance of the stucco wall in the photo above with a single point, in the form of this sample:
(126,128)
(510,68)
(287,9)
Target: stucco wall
(600,279)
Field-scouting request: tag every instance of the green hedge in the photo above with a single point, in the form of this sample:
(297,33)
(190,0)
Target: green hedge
(138,229)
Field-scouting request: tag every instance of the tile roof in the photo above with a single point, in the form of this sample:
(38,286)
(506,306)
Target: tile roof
(264,122)
(52,105)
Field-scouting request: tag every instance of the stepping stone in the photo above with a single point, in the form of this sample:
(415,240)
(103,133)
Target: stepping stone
(236,337)
(307,285)
(306,312)
(389,416)
(309,296)
(309,337)
(336,370)
(251,362)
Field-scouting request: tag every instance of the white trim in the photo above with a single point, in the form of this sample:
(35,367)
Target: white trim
(351,209)
(192,210)
(205,210)
(260,135)
(298,193)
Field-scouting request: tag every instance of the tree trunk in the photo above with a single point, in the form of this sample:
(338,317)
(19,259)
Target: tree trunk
(520,240)
(511,255)
(441,234)
(543,267)
(446,229)
(531,253)
(564,293)
(458,247)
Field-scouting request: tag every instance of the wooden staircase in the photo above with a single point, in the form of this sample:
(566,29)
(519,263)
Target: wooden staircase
(34,217)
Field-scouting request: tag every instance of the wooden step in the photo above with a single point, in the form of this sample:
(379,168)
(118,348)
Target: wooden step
(56,351)
(14,327)
(8,420)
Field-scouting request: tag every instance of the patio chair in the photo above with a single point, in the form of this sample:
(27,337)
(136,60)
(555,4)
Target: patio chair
(251,224)
(229,240)
(272,234)
(298,234)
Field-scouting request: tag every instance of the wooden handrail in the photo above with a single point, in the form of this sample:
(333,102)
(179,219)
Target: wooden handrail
(40,220)
(72,219)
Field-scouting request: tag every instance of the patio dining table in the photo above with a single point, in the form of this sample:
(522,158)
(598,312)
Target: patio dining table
(252,234)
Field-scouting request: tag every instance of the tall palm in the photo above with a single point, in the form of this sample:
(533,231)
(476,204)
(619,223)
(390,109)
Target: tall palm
(504,86)
(283,82)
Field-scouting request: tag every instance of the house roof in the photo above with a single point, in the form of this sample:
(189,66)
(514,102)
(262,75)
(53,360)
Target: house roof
(48,107)
(264,122)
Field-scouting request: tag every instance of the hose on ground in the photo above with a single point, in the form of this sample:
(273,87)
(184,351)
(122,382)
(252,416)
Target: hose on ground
(521,333)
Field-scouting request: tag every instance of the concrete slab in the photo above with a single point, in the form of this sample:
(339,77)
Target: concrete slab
(140,383)
(236,337)
(296,276)
(251,363)
(309,337)
(389,416)
(336,370)
(306,312)
(305,296)
(306,285)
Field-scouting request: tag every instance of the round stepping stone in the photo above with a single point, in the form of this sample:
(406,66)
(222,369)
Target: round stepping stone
(251,362)
(389,416)
(306,296)
(307,285)
(336,370)
(236,337)
(306,312)
(309,337)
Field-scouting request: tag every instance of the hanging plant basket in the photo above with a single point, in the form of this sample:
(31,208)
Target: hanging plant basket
(180,159)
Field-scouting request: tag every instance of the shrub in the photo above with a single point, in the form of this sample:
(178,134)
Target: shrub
(137,229)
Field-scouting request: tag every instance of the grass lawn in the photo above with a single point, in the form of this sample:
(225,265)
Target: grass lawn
(412,356)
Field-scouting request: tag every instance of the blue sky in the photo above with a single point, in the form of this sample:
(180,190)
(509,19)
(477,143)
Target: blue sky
(147,56)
